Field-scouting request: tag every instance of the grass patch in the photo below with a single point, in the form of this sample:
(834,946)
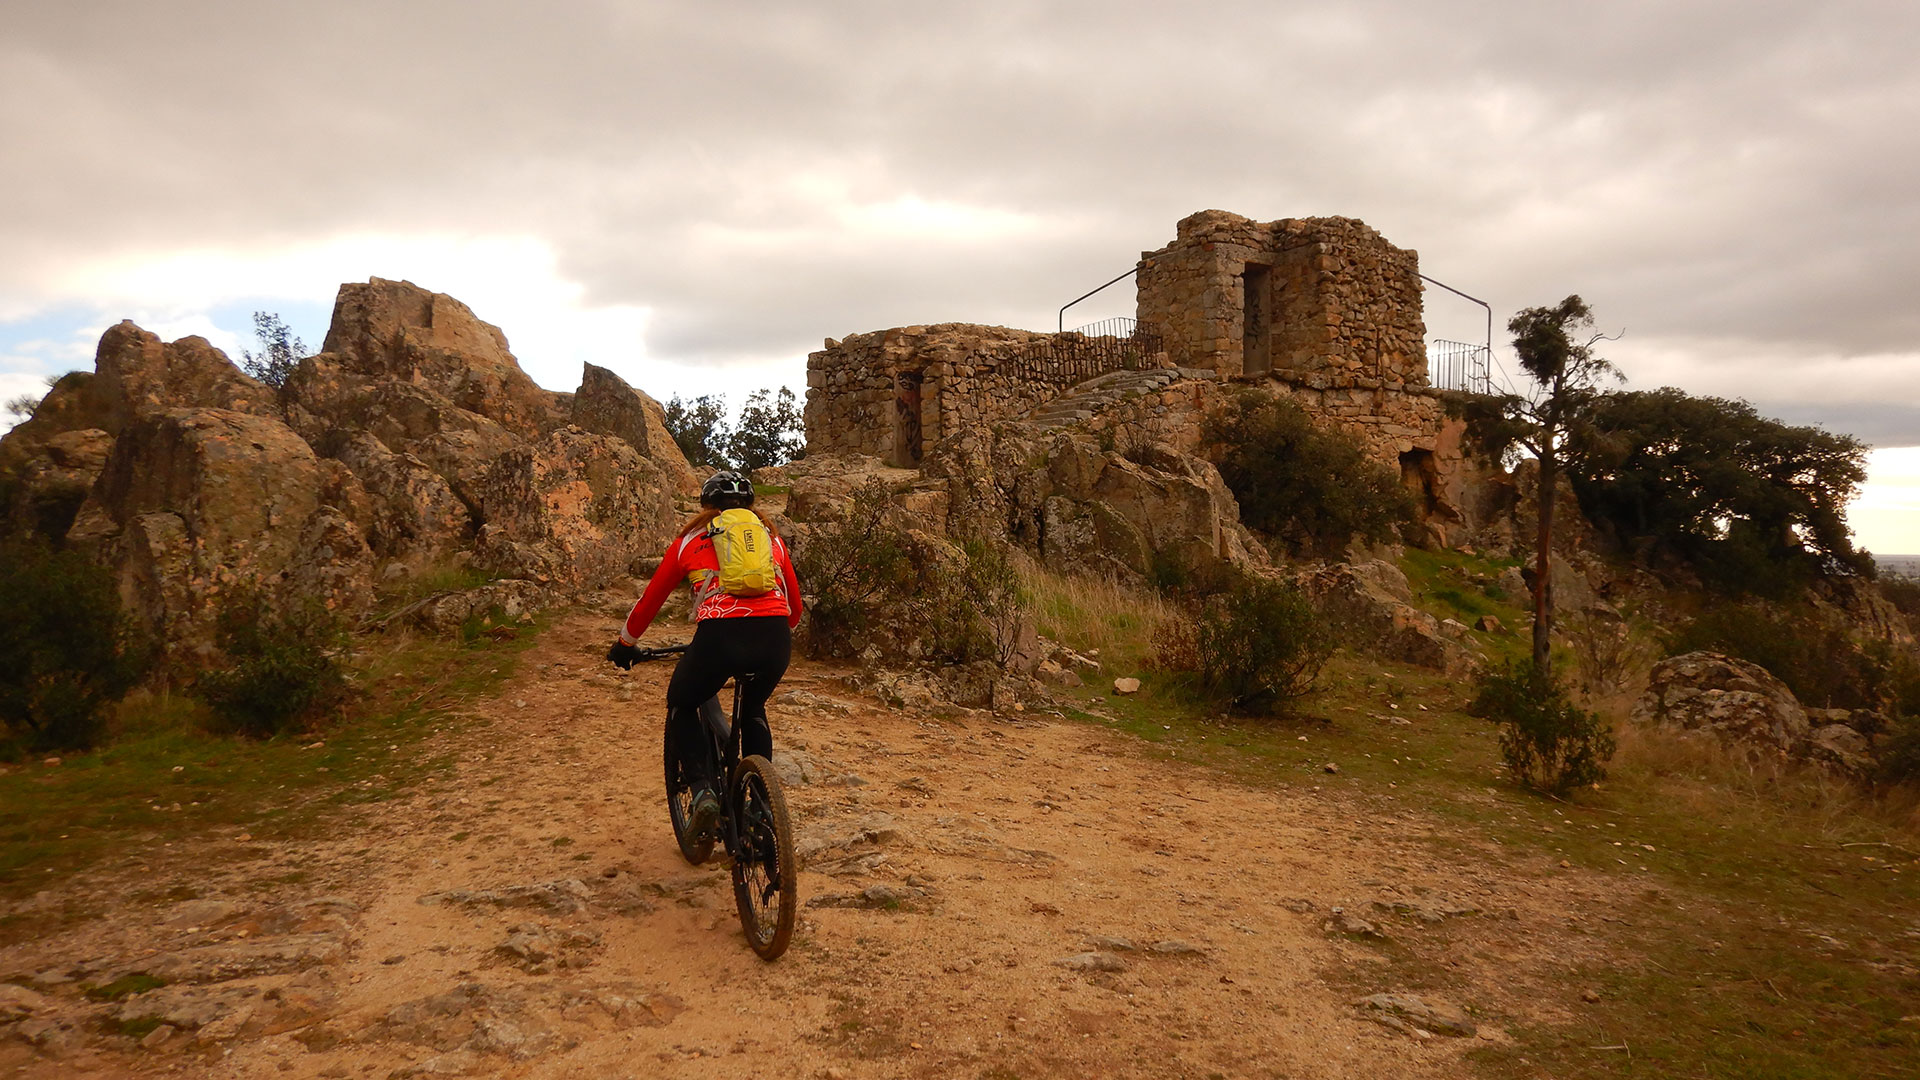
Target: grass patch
(137,1028)
(1111,621)
(432,581)
(125,987)
(166,779)
(1463,587)
(1752,939)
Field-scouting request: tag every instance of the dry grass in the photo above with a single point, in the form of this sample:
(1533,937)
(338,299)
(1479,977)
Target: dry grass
(1701,773)
(1119,620)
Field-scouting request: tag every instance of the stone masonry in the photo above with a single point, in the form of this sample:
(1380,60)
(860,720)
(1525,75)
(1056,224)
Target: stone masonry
(894,393)
(1322,310)
(1298,296)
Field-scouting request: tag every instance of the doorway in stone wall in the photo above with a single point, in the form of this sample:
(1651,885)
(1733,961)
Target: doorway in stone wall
(1256,325)
(1420,474)
(906,419)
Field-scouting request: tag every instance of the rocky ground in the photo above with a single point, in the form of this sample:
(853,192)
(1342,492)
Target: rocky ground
(985,895)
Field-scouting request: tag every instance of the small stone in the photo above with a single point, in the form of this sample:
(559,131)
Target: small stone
(1342,922)
(1104,943)
(51,762)
(1412,1014)
(1173,947)
(1590,996)
(157,1037)
(396,958)
(1126,686)
(1329,767)
(1092,961)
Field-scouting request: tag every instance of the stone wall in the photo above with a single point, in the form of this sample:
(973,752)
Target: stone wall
(892,394)
(1300,296)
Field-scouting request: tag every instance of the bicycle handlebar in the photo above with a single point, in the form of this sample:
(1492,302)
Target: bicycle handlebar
(662,651)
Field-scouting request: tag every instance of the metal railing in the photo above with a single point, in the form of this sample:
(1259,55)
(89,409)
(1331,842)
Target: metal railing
(1074,356)
(1458,365)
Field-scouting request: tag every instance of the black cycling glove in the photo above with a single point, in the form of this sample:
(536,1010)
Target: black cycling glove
(623,655)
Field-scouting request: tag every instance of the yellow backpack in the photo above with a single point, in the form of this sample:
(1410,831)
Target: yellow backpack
(745,552)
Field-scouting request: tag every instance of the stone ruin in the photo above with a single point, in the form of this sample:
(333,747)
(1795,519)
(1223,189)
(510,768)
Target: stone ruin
(413,442)
(1322,310)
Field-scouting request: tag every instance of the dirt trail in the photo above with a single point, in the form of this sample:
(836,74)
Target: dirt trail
(991,855)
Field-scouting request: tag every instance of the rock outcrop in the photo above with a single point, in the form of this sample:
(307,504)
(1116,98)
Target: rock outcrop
(414,441)
(606,405)
(1745,705)
(396,332)
(1733,699)
(573,510)
(1076,501)
(193,503)
(1371,602)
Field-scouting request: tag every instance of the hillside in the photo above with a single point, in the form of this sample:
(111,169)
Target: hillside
(518,908)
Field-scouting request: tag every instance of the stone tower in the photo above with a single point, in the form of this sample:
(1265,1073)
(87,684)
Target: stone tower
(1298,297)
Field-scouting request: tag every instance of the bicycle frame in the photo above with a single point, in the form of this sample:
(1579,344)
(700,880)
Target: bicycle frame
(725,740)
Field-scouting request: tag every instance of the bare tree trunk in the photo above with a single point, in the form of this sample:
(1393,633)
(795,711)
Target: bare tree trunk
(1543,570)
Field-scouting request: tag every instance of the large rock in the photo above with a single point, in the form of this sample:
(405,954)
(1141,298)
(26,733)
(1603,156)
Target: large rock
(573,512)
(55,457)
(331,406)
(52,484)
(396,331)
(195,502)
(414,516)
(1862,605)
(1077,504)
(1369,601)
(136,375)
(1735,700)
(606,405)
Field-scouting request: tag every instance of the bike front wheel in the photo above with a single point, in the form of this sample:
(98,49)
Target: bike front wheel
(765,871)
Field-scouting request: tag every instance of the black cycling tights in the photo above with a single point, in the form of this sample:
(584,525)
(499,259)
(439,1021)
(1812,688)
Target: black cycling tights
(761,645)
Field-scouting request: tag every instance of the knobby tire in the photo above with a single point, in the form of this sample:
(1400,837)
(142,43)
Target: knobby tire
(765,870)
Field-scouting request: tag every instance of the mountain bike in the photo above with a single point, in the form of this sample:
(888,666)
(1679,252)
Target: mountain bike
(754,827)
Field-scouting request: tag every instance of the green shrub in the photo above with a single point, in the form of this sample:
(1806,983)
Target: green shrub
(1313,488)
(874,586)
(1257,645)
(1903,593)
(848,569)
(1898,754)
(971,607)
(283,666)
(1550,743)
(1814,654)
(66,653)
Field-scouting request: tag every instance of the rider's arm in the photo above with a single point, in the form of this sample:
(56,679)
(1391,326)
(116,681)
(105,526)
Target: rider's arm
(665,580)
(791,581)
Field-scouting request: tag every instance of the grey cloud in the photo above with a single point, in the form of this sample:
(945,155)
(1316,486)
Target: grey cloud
(1692,168)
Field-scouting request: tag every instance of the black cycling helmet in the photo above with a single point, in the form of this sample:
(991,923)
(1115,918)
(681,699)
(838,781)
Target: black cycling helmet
(725,490)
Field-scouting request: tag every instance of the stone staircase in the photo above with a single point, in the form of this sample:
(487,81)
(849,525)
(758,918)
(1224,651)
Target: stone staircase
(1083,401)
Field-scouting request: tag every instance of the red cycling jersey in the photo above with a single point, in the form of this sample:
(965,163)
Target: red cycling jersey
(691,557)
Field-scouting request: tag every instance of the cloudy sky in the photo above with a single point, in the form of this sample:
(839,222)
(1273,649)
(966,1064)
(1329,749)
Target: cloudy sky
(695,195)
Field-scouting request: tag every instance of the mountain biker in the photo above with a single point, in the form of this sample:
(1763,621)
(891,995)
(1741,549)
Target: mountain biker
(733,635)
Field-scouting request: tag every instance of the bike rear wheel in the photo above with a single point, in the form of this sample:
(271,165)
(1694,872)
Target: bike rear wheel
(765,871)
(695,848)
